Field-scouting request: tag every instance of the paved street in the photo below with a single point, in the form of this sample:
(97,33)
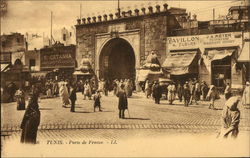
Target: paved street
(142,112)
(165,129)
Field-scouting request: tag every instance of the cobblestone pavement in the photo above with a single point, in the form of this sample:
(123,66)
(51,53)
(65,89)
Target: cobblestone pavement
(144,114)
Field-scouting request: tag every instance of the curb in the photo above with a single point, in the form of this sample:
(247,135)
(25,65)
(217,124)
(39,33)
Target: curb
(56,126)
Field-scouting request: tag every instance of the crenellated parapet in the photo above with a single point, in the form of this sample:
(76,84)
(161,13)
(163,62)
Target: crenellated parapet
(124,14)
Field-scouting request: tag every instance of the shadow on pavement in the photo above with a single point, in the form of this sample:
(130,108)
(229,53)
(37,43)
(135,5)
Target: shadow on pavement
(133,118)
(78,107)
(82,112)
(217,109)
(45,109)
(135,97)
(190,105)
(170,104)
(108,111)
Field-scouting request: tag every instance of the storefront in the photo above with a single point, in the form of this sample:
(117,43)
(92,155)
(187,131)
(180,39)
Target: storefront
(243,62)
(59,61)
(218,56)
(17,74)
(182,65)
(220,62)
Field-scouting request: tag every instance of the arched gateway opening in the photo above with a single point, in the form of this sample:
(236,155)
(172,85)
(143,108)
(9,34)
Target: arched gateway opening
(117,60)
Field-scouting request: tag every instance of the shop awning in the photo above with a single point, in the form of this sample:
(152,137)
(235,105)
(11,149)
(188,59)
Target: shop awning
(178,63)
(39,74)
(220,54)
(245,53)
(4,67)
(144,74)
(81,73)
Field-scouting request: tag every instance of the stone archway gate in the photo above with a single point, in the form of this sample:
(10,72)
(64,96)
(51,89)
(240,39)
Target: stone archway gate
(132,37)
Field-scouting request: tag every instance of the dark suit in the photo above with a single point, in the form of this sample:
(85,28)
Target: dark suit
(30,122)
(72,98)
(186,94)
(157,93)
(123,103)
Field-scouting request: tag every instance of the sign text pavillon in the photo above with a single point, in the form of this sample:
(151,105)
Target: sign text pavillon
(183,42)
(204,41)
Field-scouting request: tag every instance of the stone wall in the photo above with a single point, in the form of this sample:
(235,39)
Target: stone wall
(155,32)
(85,41)
(152,26)
(14,42)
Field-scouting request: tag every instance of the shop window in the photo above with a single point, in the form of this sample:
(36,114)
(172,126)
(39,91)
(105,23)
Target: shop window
(18,40)
(32,62)
(3,44)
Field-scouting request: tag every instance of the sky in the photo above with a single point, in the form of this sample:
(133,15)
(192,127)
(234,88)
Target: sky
(34,16)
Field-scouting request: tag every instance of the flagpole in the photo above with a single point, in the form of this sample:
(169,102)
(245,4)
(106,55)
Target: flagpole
(51,28)
(119,10)
(80,11)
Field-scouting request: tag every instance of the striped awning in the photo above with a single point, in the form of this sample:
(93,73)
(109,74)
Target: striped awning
(220,54)
(178,63)
(4,67)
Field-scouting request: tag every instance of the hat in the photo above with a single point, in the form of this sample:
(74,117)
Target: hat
(247,83)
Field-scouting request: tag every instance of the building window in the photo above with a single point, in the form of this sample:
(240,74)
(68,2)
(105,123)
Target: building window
(32,62)
(64,37)
(70,34)
(3,44)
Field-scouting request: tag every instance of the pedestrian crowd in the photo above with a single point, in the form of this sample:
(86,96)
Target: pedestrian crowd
(191,92)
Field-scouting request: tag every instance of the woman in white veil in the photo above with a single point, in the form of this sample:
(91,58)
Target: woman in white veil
(64,94)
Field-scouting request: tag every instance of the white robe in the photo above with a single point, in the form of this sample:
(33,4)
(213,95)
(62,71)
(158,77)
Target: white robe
(246,96)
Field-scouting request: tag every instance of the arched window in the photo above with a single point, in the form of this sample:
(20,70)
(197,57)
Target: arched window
(18,62)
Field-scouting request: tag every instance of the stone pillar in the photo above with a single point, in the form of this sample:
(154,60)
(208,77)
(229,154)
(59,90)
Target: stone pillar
(123,14)
(94,19)
(89,20)
(84,20)
(150,9)
(99,18)
(137,86)
(158,8)
(130,13)
(78,21)
(136,12)
(117,15)
(143,11)
(105,17)
(165,7)
(110,16)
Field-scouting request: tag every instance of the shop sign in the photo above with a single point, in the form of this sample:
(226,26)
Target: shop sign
(204,41)
(221,40)
(182,42)
(62,58)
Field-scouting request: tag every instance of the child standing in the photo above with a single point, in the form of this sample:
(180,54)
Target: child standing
(97,100)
